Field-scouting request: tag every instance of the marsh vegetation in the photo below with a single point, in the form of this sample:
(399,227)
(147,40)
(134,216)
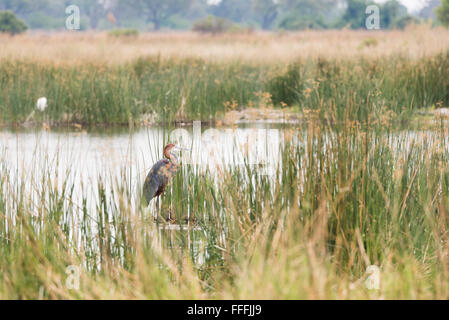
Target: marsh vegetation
(356,182)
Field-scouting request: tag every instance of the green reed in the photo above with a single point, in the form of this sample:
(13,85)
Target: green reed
(340,200)
(165,90)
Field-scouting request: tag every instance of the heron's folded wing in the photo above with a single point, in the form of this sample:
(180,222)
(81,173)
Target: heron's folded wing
(153,181)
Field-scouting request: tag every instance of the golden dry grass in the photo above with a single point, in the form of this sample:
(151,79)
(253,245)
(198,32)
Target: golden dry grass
(64,47)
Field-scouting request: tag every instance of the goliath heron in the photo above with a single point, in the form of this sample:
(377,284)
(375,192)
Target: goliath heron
(160,175)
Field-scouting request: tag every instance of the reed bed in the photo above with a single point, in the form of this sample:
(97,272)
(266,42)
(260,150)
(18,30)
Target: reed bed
(341,199)
(352,189)
(94,79)
(156,90)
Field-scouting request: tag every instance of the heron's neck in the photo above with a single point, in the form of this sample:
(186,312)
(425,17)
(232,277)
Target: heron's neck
(173,158)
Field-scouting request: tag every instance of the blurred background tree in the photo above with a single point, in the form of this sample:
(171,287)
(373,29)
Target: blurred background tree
(306,14)
(21,7)
(428,11)
(235,10)
(354,16)
(393,15)
(9,23)
(266,12)
(157,12)
(442,13)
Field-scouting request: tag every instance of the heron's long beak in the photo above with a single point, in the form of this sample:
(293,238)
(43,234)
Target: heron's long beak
(177,148)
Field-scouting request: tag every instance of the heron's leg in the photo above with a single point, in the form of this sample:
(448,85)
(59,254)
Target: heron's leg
(157,208)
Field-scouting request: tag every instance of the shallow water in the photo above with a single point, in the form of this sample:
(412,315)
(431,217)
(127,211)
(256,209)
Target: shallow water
(84,158)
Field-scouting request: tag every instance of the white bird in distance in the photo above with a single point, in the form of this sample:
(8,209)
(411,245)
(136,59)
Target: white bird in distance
(41,104)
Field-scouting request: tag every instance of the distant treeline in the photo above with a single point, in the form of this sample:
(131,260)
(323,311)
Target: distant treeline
(215,15)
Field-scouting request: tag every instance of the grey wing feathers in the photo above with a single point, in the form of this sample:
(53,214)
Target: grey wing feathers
(149,188)
(154,181)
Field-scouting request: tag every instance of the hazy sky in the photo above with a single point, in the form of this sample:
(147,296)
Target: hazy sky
(412,5)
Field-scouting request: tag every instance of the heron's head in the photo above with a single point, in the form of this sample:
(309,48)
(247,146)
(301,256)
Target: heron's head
(167,150)
(170,150)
